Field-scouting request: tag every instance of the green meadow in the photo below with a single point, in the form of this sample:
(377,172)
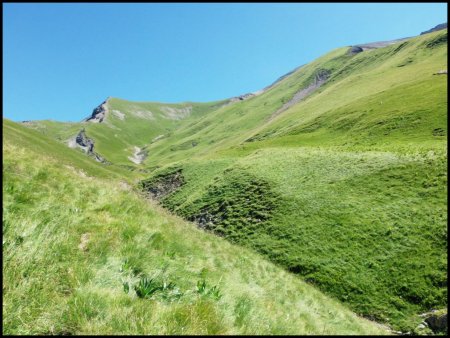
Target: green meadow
(327,216)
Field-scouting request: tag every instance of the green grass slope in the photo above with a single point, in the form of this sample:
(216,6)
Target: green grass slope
(377,98)
(35,141)
(389,96)
(84,254)
(369,228)
(128,125)
(382,97)
(347,188)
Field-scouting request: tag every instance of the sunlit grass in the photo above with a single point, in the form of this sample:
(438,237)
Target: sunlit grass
(71,243)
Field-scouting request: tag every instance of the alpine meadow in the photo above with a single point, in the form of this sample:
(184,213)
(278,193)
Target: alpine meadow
(314,206)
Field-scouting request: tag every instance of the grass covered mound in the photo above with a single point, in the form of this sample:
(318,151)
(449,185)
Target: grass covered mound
(87,255)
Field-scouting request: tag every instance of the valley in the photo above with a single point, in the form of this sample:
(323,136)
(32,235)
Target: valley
(317,205)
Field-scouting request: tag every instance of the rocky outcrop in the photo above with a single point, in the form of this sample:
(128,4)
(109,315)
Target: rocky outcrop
(354,50)
(436,321)
(373,45)
(139,155)
(320,77)
(86,144)
(435,28)
(99,113)
(242,97)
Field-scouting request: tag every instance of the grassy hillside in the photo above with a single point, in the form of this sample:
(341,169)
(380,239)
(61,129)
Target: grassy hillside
(346,188)
(381,97)
(128,125)
(369,228)
(85,254)
(386,97)
(18,134)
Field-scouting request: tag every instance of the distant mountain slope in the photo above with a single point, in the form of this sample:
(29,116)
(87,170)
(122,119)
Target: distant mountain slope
(351,92)
(132,133)
(117,127)
(435,28)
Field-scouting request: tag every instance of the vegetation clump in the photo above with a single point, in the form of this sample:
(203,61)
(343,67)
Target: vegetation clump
(234,206)
(164,183)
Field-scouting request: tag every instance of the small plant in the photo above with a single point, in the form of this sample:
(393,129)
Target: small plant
(203,290)
(215,293)
(201,287)
(126,287)
(147,287)
(125,266)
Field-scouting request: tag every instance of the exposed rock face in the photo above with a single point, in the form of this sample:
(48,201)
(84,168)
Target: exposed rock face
(435,28)
(437,322)
(86,144)
(354,50)
(99,113)
(320,78)
(374,45)
(242,97)
(83,142)
(139,155)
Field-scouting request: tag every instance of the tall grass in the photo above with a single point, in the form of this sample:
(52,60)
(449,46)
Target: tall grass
(72,242)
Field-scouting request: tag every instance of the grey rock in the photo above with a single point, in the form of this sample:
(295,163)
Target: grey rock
(320,77)
(435,28)
(87,145)
(380,44)
(241,97)
(437,323)
(99,113)
(354,50)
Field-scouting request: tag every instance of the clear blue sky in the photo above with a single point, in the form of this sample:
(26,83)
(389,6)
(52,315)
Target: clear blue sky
(61,60)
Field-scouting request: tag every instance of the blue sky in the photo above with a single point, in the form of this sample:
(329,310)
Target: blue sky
(62,60)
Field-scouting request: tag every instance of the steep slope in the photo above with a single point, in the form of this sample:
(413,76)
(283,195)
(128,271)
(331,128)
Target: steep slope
(346,187)
(84,254)
(35,141)
(344,87)
(349,101)
(337,172)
